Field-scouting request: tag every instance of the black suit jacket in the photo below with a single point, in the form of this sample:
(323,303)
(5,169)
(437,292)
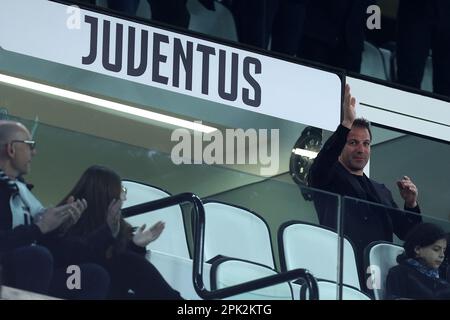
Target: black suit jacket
(363,222)
(332,22)
(404,281)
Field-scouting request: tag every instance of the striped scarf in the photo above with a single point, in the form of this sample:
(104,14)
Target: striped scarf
(430,272)
(11,185)
(23,204)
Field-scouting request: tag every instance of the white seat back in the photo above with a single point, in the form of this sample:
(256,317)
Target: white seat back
(315,248)
(232,272)
(177,271)
(382,257)
(328,291)
(387,59)
(427,80)
(238,233)
(173,238)
(372,62)
(219,23)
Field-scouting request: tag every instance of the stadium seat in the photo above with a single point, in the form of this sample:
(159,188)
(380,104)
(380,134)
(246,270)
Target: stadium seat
(380,256)
(427,80)
(236,232)
(226,272)
(219,23)
(303,245)
(328,291)
(177,271)
(373,63)
(173,239)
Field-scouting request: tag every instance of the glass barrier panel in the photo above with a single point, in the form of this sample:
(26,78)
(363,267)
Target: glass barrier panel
(380,234)
(291,214)
(247,218)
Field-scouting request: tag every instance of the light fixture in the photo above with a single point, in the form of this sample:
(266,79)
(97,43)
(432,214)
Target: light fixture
(305,153)
(106,104)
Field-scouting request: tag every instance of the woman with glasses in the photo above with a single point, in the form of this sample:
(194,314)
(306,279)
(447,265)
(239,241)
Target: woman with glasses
(102,235)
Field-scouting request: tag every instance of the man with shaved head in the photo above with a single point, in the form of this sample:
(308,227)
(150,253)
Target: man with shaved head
(24,221)
(15,159)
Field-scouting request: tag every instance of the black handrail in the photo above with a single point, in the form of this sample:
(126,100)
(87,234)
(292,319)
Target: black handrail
(310,283)
(199,237)
(160,204)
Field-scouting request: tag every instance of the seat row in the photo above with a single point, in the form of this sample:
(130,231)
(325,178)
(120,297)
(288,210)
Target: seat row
(238,248)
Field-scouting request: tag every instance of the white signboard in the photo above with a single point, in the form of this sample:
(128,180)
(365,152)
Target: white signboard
(171,61)
(402,110)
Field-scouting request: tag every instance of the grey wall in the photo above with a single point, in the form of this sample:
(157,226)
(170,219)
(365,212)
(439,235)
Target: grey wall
(425,161)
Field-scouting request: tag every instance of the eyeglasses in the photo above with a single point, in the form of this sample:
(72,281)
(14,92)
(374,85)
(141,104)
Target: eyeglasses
(124,190)
(30,143)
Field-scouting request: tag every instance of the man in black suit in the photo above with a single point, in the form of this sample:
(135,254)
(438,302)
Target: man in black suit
(424,25)
(334,32)
(338,168)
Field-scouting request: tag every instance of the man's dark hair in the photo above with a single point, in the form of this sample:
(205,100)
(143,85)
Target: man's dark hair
(362,123)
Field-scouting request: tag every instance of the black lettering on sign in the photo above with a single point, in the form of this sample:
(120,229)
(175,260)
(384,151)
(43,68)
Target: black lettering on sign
(232,95)
(117,65)
(158,57)
(186,58)
(206,52)
(177,56)
(256,101)
(93,40)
